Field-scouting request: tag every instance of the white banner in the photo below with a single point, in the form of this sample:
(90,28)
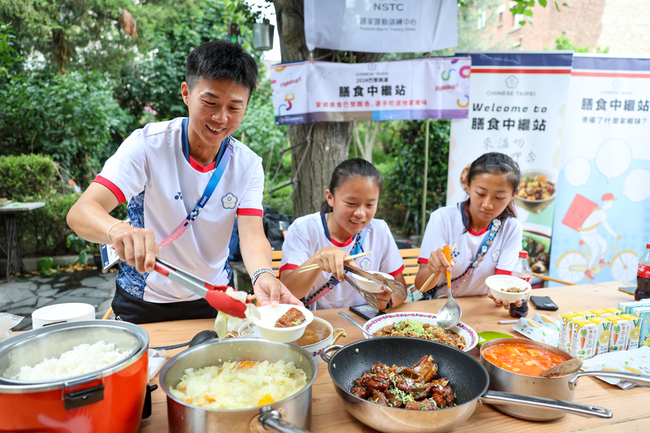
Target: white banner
(517,108)
(602,217)
(379,26)
(435,88)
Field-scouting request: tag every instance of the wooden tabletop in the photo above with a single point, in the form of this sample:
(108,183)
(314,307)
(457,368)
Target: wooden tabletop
(630,407)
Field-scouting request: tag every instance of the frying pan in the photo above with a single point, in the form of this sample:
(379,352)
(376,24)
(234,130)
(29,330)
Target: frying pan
(468,379)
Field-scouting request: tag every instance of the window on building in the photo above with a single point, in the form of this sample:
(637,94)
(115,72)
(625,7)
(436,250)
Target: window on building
(482,17)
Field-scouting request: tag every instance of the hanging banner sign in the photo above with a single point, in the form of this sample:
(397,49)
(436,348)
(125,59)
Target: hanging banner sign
(436,88)
(602,217)
(517,108)
(381,27)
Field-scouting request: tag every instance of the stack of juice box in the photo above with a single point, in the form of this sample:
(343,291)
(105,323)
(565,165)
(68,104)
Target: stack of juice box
(584,334)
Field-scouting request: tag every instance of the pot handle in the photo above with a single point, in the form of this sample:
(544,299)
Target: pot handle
(272,419)
(338,333)
(324,353)
(641,379)
(498,397)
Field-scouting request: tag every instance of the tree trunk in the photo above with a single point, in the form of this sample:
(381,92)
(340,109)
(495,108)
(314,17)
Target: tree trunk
(329,142)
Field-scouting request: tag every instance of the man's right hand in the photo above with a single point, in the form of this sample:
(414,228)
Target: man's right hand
(135,246)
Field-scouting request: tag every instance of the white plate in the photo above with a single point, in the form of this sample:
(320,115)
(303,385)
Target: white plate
(498,283)
(375,324)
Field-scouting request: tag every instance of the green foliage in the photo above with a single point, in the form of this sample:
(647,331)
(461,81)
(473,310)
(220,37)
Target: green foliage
(73,118)
(564,43)
(8,54)
(524,8)
(45,263)
(80,246)
(25,176)
(403,176)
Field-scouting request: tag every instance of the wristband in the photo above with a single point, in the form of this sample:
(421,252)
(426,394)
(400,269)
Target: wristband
(108,236)
(259,272)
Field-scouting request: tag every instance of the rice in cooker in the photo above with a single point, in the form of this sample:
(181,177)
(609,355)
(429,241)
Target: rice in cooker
(240,385)
(81,359)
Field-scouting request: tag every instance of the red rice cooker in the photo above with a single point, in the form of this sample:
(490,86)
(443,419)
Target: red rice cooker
(106,400)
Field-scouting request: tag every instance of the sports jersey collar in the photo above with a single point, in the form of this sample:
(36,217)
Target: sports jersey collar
(186,152)
(327,234)
(471,230)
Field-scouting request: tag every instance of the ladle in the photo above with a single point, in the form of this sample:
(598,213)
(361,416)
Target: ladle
(449,314)
(567,367)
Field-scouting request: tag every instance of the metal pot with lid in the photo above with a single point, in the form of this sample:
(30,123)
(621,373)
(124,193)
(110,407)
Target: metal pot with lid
(106,400)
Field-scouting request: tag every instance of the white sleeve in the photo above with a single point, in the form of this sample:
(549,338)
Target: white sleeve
(392,260)
(128,167)
(512,244)
(254,194)
(434,236)
(296,247)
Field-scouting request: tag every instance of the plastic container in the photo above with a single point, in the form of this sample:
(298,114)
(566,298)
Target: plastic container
(643,276)
(60,313)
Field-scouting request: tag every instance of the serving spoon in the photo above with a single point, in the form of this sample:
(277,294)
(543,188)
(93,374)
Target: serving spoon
(450,313)
(354,322)
(567,367)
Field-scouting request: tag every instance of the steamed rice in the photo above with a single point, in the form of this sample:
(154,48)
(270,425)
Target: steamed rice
(81,359)
(240,385)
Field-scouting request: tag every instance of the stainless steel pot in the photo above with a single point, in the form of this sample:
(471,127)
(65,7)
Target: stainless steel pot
(293,414)
(561,387)
(468,378)
(107,400)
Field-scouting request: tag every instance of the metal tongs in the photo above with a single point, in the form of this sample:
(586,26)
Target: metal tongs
(370,298)
(393,286)
(215,295)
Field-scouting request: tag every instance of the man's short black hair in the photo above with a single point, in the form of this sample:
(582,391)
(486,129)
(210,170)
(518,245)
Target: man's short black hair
(220,59)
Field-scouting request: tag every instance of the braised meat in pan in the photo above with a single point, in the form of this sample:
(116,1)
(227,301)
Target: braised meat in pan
(415,387)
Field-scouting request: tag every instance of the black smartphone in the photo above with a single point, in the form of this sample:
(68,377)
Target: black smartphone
(364,310)
(543,303)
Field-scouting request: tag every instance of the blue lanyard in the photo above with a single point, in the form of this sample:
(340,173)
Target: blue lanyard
(358,246)
(209,189)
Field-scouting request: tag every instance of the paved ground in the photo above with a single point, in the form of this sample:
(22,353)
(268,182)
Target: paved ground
(21,296)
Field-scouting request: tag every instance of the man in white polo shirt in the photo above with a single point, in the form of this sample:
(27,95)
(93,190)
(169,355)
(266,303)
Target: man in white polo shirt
(185,181)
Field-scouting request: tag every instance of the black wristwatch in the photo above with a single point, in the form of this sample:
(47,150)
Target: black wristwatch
(388,306)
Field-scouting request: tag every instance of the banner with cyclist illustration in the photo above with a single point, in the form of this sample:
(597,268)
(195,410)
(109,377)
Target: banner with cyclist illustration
(517,108)
(602,210)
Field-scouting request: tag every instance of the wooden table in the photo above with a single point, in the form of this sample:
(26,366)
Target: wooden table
(9,212)
(630,407)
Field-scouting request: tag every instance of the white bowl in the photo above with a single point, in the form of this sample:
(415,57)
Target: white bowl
(370,285)
(271,314)
(71,312)
(498,283)
(376,323)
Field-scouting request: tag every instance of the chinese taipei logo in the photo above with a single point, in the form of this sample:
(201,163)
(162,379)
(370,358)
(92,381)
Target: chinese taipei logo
(229,201)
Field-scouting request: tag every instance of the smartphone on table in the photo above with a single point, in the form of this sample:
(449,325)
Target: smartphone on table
(543,303)
(364,310)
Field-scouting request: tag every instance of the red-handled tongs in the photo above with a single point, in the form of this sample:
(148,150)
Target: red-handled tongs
(215,295)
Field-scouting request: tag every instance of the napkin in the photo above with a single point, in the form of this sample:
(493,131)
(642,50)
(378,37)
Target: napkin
(7,322)
(632,361)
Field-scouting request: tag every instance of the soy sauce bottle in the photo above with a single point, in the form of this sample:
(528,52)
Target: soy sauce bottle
(522,270)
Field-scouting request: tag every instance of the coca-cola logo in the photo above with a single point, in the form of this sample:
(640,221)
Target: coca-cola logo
(643,271)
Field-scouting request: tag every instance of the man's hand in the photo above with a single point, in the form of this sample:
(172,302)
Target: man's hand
(270,291)
(135,246)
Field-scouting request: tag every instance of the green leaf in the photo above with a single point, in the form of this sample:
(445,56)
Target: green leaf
(83,258)
(46,263)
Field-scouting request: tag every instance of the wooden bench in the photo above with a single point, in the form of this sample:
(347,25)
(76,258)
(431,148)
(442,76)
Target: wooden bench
(409,255)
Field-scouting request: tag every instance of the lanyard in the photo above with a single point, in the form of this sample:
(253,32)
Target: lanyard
(212,185)
(333,282)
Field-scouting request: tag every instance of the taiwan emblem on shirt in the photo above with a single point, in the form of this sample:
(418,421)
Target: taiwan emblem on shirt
(229,201)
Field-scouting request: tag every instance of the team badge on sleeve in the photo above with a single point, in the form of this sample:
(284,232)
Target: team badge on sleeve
(229,201)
